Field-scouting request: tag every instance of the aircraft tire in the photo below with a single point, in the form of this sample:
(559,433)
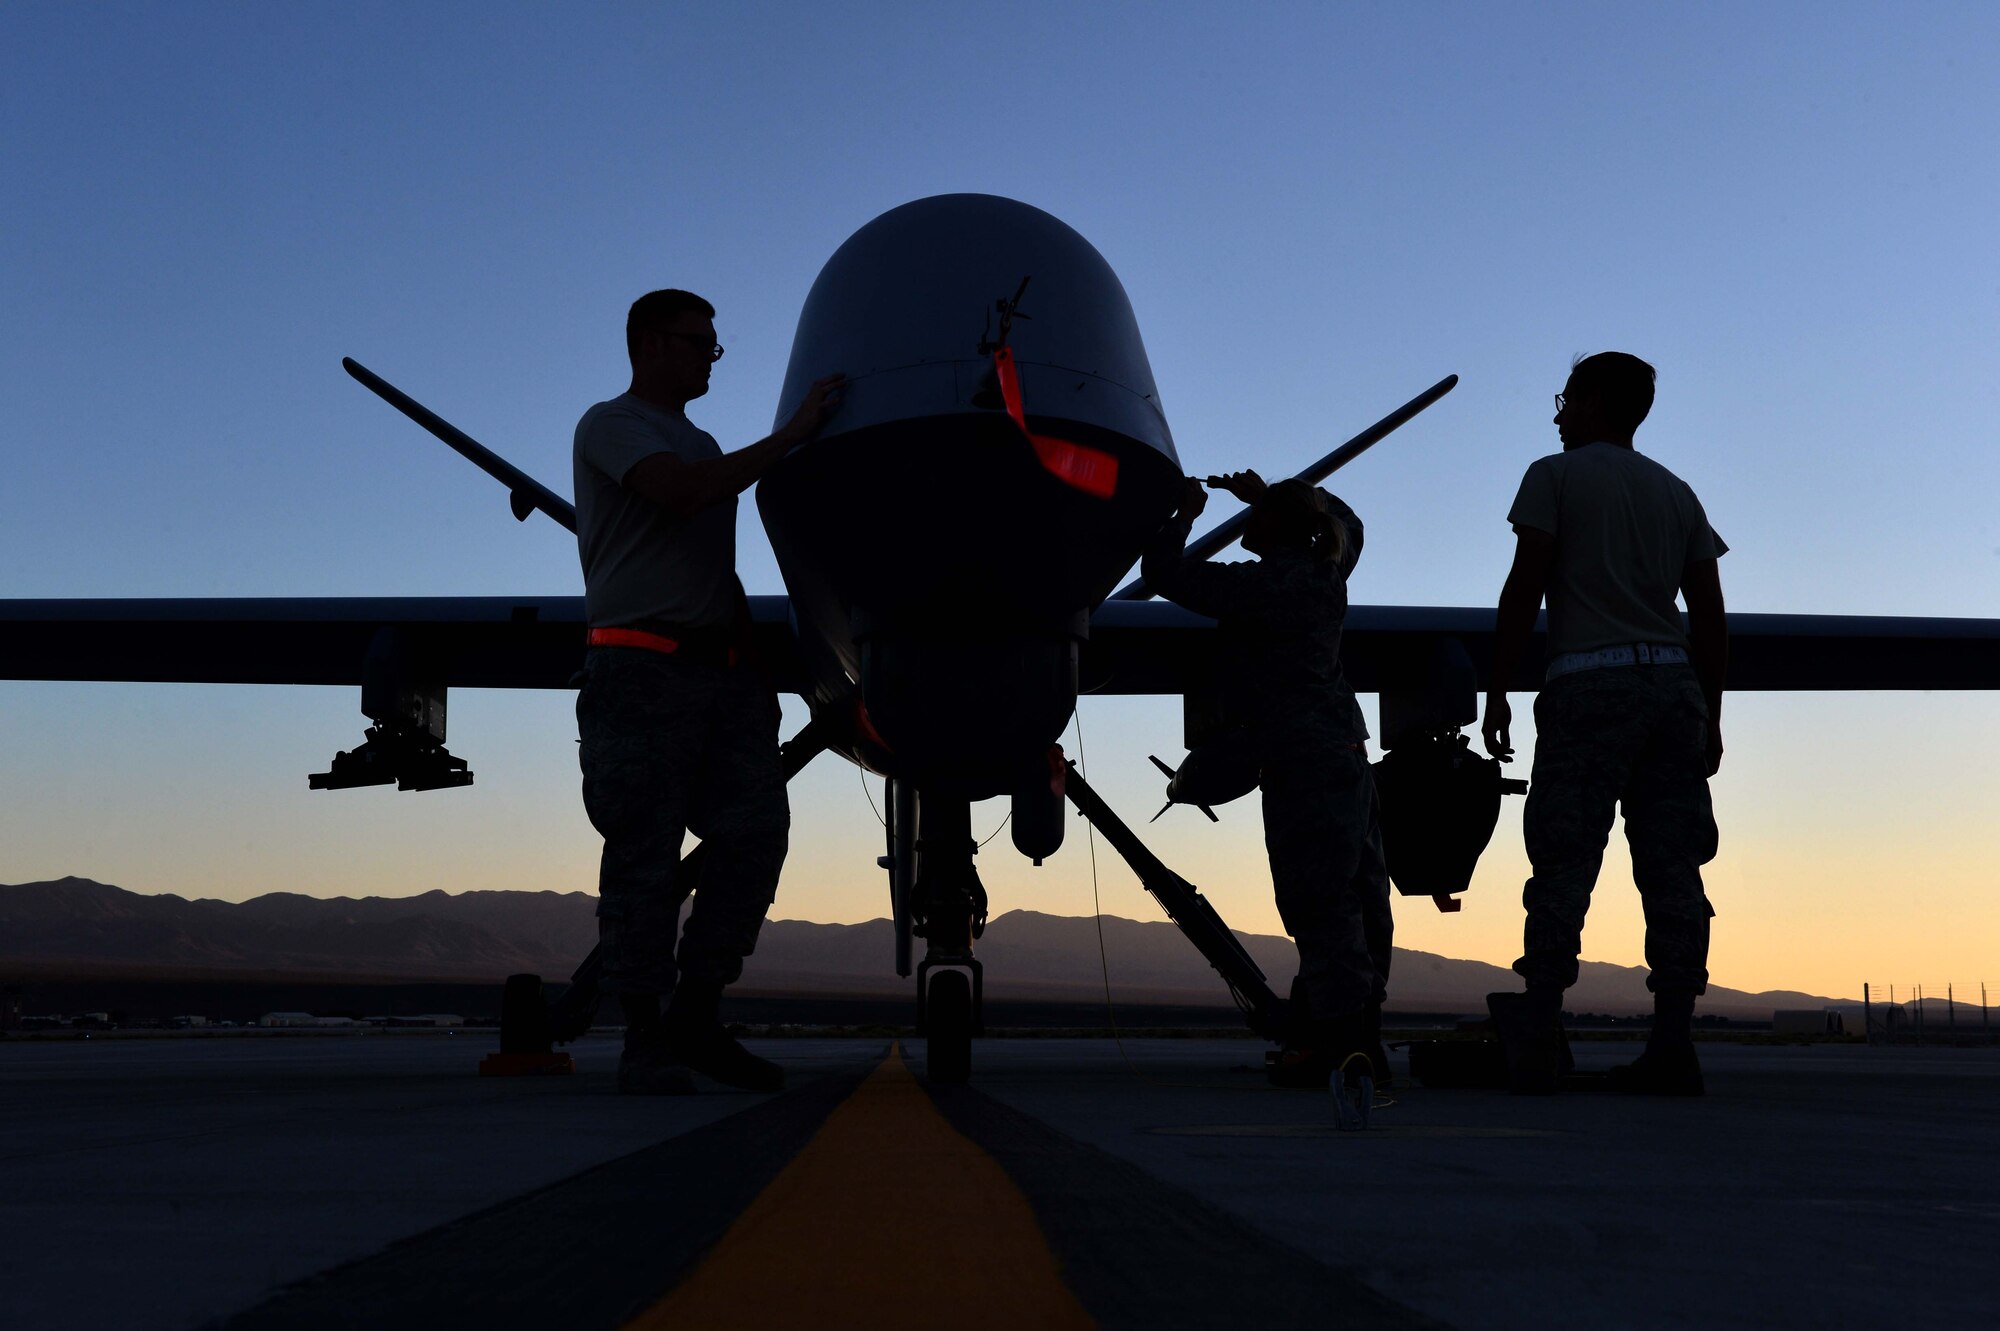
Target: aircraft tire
(948,1026)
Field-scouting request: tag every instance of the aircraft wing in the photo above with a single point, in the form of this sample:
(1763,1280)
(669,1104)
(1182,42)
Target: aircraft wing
(477,642)
(536,642)
(1155,647)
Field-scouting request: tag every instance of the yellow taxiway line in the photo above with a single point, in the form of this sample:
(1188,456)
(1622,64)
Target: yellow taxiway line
(889,1218)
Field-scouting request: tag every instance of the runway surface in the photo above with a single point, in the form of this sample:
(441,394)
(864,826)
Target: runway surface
(375,1181)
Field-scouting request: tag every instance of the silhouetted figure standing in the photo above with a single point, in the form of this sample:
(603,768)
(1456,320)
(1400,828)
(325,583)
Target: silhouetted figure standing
(677,732)
(1280,620)
(1629,715)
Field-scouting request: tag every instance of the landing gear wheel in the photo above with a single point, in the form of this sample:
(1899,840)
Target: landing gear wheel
(948,1028)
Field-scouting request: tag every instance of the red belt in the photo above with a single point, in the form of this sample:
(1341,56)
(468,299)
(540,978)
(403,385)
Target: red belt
(652,642)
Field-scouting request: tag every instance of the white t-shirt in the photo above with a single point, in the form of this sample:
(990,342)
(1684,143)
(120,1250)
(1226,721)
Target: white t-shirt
(641,565)
(1625,528)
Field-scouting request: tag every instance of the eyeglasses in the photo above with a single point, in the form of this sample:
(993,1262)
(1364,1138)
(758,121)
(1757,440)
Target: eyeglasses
(712,347)
(1559,402)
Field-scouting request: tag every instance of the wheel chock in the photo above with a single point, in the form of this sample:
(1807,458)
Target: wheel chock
(526,1041)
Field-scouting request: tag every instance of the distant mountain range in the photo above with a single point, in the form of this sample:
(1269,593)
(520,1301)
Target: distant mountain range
(76,927)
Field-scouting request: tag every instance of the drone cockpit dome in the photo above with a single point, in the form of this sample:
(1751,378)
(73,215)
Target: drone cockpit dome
(997,461)
(907,308)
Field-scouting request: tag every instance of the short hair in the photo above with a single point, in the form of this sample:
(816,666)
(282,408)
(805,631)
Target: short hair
(1622,383)
(652,312)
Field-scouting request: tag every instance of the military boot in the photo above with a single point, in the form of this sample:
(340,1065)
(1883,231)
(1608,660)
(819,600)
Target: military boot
(1307,1063)
(1300,1069)
(696,1036)
(1531,1037)
(646,1067)
(1300,1065)
(1669,1065)
(1371,1044)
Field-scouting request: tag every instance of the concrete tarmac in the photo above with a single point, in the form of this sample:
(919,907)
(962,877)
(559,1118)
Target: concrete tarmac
(329,1180)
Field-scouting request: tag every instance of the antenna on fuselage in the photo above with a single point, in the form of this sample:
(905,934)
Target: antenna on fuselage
(987,396)
(525,494)
(1010,310)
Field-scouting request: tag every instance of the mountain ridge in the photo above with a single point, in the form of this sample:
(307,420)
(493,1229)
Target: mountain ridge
(78,925)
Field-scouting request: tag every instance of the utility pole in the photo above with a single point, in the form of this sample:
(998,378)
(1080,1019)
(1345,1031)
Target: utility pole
(1868,1013)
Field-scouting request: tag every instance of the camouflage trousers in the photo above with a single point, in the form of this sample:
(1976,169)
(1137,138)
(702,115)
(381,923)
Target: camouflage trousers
(1323,830)
(1636,737)
(669,747)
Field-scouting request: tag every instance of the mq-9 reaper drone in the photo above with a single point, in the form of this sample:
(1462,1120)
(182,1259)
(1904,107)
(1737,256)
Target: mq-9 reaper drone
(1001,429)
(951,544)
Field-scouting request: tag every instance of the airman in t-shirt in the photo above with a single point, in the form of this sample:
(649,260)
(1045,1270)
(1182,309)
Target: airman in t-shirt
(676,734)
(1629,715)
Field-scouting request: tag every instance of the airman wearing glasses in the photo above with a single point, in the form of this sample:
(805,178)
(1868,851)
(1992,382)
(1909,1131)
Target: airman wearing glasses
(1627,720)
(677,733)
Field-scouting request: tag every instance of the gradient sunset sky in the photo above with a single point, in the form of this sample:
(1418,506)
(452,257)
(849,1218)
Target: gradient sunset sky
(1317,210)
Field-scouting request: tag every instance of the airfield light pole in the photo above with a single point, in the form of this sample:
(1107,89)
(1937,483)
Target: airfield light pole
(1867,1015)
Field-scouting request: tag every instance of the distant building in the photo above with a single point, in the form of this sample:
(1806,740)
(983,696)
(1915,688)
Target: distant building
(301,1019)
(1808,1021)
(187,1022)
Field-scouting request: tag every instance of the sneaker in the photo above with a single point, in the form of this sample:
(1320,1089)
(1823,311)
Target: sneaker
(1662,1070)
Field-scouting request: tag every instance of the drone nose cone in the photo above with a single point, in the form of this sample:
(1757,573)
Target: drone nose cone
(912,306)
(998,461)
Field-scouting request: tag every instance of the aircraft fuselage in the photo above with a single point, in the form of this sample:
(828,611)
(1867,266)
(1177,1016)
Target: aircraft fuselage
(945,539)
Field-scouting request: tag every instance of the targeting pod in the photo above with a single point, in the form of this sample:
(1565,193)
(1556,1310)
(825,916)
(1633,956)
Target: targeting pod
(1440,802)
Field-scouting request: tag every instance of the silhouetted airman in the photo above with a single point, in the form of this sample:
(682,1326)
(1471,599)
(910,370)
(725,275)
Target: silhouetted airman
(1280,619)
(1629,716)
(677,733)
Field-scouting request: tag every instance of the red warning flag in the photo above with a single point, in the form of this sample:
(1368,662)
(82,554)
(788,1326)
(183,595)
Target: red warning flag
(1091,470)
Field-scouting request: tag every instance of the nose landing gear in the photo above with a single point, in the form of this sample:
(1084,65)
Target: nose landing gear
(947,909)
(948,1018)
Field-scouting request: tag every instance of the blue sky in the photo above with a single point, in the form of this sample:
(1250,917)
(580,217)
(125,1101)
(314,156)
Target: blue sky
(1317,211)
